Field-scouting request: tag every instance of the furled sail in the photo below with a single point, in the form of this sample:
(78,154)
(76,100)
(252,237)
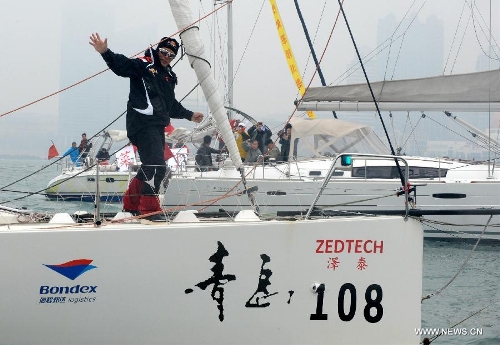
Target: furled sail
(478,91)
(195,51)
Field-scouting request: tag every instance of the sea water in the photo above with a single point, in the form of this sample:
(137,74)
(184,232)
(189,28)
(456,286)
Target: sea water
(477,286)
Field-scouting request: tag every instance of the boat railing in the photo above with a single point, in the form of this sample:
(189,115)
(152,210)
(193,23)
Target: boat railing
(348,157)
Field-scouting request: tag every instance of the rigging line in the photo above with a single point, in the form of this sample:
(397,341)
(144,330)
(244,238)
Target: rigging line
(176,208)
(406,124)
(320,59)
(400,47)
(454,36)
(248,41)
(52,94)
(411,133)
(314,40)
(397,57)
(403,182)
(57,184)
(105,70)
(387,62)
(382,46)
(319,63)
(487,146)
(477,37)
(448,128)
(311,51)
(212,39)
(223,62)
(484,21)
(41,190)
(393,128)
(58,160)
(471,315)
(461,41)
(358,201)
(461,267)
(391,37)
(457,234)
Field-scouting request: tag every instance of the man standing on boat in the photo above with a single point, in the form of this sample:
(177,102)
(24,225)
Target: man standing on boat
(261,133)
(84,147)
(150,106)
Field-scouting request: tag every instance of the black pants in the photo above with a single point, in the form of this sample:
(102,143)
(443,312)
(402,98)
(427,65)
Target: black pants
(150,142)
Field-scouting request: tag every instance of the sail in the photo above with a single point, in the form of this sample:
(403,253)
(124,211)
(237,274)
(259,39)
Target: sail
(478,91)
(198,60)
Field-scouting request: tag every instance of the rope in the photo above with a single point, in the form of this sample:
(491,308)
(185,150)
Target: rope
(361,200)
(382,46)
(248,41)
(98,73)
(173,209)
(461,267)
(477,37)
(454,36)
(403,182)
(58,160)
(57,184)
(460,45)
(411,133)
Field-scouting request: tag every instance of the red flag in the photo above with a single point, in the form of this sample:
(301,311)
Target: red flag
(167,153)
(169,129)
(53,151)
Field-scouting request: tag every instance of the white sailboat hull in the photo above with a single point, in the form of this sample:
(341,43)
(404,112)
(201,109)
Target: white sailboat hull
(351,194)
(78,185)
(212,283)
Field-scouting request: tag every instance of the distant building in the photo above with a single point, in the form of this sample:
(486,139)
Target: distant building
(415,53)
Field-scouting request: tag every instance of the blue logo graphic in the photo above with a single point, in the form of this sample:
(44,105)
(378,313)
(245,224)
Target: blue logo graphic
(73,269)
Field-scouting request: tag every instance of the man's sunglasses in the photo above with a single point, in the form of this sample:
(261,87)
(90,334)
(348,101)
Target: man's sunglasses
(165,52)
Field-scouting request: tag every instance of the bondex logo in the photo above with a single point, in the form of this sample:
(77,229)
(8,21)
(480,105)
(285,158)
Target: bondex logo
(66,290)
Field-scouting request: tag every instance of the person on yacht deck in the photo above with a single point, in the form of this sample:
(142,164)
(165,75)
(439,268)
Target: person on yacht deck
(251,146)
(150,106)
(261,133)
(272,151)
(73,153)
(241,136)
(203,156)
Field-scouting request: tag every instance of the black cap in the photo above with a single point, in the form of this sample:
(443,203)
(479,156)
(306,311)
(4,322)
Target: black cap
(170,43)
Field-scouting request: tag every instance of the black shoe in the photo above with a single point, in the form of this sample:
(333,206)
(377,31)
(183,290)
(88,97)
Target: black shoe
(157,218)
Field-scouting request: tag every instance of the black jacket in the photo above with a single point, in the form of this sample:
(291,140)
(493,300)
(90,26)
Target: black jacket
(261,136)
(204,156)
(285,148)
(156,106)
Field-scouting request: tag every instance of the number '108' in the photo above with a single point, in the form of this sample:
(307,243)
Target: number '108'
(371,303)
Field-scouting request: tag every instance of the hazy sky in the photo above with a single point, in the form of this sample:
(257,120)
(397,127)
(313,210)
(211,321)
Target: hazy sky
(31,47)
